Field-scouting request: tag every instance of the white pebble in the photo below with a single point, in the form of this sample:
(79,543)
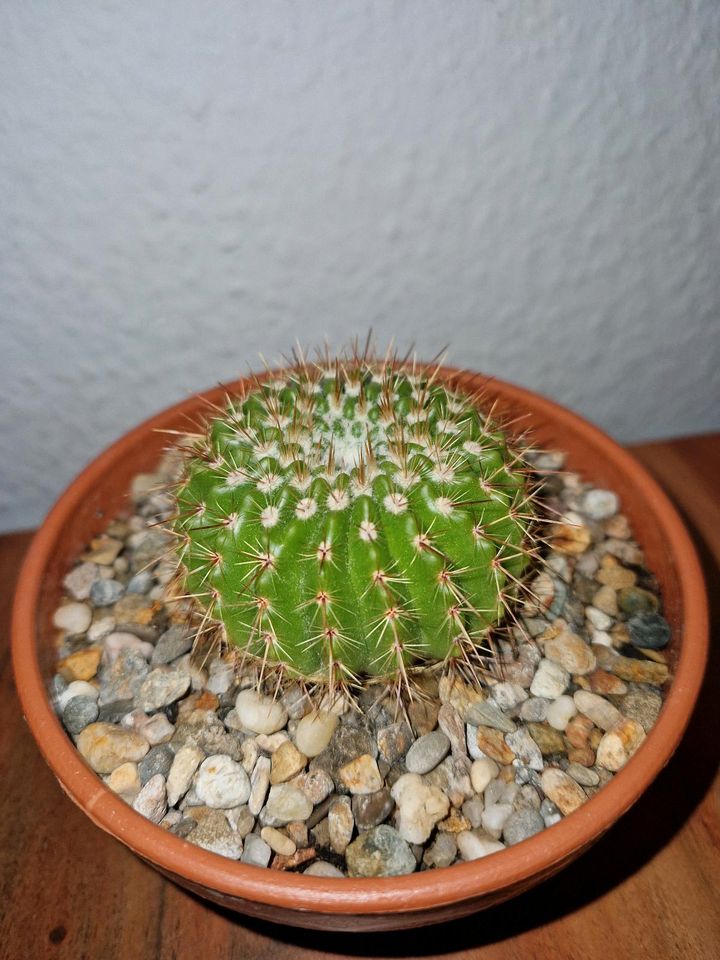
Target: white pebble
(599,620)
(278,842)
(600,504)
(260,714)
(314,732)
(472,847)
(420,807)
(221,782)
(602,713)
(151,802)
(321,868)
(120,640)
(78,688)
(73,617)
(494,817)
(100,629)
(561,711)
(186,762)
(482,772)
(259,785)
(551,680)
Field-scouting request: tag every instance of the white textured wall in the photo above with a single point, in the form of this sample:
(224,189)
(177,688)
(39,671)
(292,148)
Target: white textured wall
(186,183)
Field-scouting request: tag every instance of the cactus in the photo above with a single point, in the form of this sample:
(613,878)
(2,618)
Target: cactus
(354,520)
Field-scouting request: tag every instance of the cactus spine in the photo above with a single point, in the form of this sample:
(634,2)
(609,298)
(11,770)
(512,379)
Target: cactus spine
(353,520)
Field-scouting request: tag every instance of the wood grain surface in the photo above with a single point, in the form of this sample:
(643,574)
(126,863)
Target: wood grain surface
(649,889)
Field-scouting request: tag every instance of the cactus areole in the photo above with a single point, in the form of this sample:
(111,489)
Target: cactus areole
(351,521)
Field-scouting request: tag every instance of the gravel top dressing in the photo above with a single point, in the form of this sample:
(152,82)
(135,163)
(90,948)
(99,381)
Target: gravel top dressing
(279,782)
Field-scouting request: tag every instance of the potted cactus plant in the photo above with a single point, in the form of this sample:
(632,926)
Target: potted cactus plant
(418,647)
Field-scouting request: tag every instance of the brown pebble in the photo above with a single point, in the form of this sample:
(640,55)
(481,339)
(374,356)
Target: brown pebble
(606,683)
(492,743)
(613,574)
(578,730)
(585,756)
(455,823)
(423,716)
(570,538)
(289,863)
(81,665)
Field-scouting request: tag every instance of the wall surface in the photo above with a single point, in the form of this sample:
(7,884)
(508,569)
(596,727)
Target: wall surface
(186,184)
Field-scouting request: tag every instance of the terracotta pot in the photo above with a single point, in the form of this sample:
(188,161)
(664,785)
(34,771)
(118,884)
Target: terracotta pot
(344,904)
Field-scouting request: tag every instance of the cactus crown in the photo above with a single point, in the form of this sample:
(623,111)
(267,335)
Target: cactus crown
(353,520)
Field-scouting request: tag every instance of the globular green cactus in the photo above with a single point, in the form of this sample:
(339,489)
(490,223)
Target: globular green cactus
(353,520)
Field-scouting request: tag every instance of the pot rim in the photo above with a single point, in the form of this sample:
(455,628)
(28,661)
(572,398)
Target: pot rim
(540,854)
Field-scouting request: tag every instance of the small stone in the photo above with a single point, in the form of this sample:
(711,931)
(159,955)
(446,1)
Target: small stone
(598,619)
(525,748)
(151,802)
(441,852)
(550,813)
(619,744)
(643,705)
(104,593)
(472,847)
(259,785)
(298,833)
(606,683)
(158,729)
(605,599)
(285,803)
(522,824)
(494,817)
(105,746)
(371,809)
(600,504)
(260,714)
(77,688)
(100,629)
(157,760)
(73,618)
(632,670)
(612,574)
(221,782)
(570,537)
(141,582)
(427,752)
(215,834)
(287,761)
(584,776)
(420,807)
(394,741)
(103,551)
(535,709)
(455,822)
(561,711)
(647,630)
(635,600)
(118,640)
(314,732)
(493,745)
(602,713)
(341,824)
(583,756)
(175,642)
(186,762)
(571,652)
(79,712)
(221,676)
(321,868)
(578,730)
(459,694)
(81,665)
(315,784)
(482,772)
(565,793)
(161,687)
(380,852)
(278,842)
(452,726)
(486,714)
(280,862)
(547,738)
(506,696)
(80,579)
(361,775)
(550,681)
(257,852)
(423,716)
(472,809)
(240,819)
(124,781)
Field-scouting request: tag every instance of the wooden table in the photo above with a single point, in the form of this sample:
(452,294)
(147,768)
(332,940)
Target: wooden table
(649,889)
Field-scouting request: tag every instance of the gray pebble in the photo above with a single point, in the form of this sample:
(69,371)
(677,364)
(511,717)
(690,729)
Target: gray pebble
(157,760)
(103,593)
(550,813)
(643,705)
(162,687)
(487,714)
(649,630)
(427,752)
(79,712)
(256,852)
(381,852)
(141,582)
(535,709)
(441,852)
(521,824)
(175,642)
